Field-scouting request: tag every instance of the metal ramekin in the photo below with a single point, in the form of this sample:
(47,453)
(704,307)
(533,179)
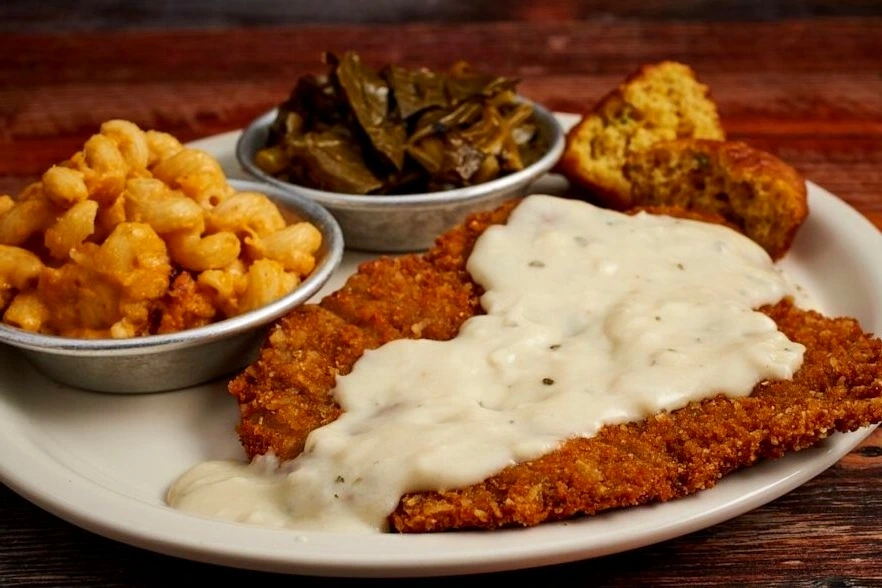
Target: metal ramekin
(179,360)
(407,222)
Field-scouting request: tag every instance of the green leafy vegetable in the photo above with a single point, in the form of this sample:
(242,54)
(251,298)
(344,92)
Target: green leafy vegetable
(368,97)
(416,90)
(361,131)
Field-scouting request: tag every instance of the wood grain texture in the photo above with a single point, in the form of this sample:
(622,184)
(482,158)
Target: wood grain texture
(55,15)
(820,110)
(804,87)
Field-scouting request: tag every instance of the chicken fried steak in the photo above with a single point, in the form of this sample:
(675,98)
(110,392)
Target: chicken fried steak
(287,393)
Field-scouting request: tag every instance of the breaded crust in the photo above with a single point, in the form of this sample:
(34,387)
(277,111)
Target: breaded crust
(657,102)
(287,393)
(755,191)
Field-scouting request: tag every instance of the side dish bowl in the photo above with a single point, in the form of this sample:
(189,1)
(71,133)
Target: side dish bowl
(405,222)
(157,363)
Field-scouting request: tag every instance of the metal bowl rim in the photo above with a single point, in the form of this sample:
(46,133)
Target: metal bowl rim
(333,200)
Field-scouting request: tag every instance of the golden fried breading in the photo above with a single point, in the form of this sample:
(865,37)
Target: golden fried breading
(287,393)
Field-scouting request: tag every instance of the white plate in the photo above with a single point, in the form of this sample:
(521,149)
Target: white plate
(104,462)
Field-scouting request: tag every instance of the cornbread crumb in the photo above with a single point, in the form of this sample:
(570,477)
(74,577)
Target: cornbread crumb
(659,102)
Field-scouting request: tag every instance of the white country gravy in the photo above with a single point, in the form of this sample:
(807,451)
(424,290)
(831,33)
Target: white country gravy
(593,317)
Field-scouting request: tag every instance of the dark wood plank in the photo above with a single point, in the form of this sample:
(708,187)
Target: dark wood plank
(822,111)
(55,15)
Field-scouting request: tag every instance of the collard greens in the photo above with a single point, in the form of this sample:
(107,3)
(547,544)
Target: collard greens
(395,130)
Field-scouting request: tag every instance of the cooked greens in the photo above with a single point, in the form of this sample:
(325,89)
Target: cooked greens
(395,130)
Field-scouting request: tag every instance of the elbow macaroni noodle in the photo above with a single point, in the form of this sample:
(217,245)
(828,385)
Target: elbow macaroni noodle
(137,234)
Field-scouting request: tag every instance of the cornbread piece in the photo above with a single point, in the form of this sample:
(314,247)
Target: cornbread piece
(658,102)
(287,393)
(753,190)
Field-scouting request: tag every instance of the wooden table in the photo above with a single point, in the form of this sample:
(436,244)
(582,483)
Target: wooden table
(808,89)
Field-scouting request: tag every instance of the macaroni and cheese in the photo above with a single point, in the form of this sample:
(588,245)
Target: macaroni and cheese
(137,234)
